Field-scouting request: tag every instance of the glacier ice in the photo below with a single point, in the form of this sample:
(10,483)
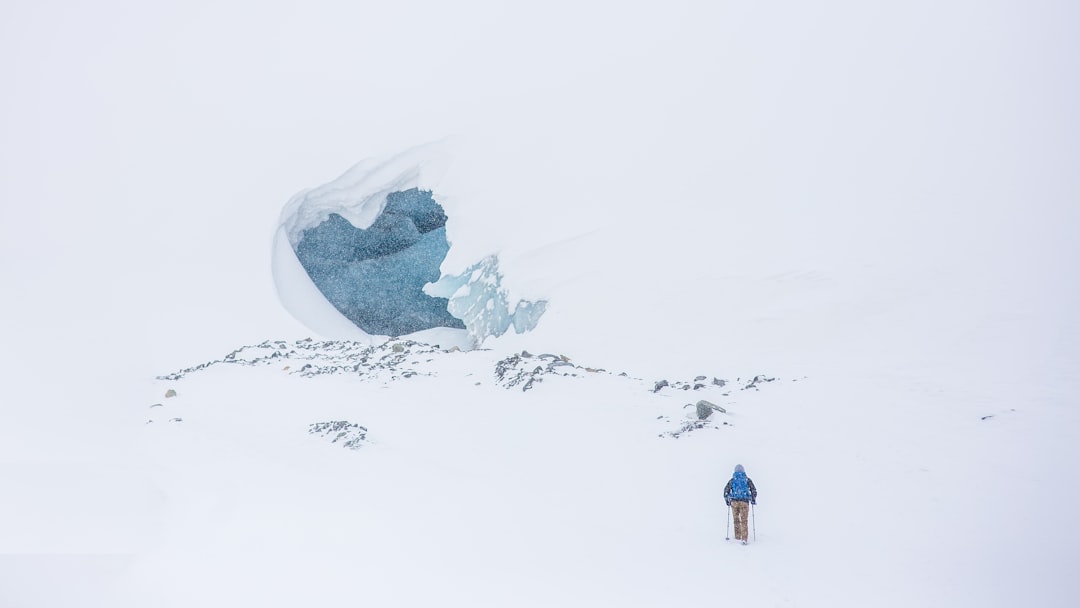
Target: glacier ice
(375,276)
(361,256)
(478,298)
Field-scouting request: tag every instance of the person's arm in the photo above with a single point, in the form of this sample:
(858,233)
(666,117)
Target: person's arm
(727,493)
(753,491)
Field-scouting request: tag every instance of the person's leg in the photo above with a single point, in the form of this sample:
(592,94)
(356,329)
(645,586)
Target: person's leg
(739,512)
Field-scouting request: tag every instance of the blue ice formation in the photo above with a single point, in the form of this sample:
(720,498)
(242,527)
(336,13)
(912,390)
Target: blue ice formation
(375,276)
(477,297)
(361,256)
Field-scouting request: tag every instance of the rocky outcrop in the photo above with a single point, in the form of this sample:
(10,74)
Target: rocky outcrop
(526,370)
(351,435)
(399,360)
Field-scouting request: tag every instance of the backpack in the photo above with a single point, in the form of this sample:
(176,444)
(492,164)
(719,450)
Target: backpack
(740,487)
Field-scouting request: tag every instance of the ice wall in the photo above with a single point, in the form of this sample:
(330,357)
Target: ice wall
(477,297)
(375,276)
(370,245)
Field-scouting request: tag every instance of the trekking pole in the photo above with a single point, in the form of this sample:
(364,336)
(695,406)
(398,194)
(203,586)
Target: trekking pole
(753,521)
(727,525)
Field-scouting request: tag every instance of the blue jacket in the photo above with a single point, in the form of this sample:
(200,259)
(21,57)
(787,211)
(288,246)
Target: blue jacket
(740,488)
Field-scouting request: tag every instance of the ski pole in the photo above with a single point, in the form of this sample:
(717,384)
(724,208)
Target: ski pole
(727,525)
(753,520)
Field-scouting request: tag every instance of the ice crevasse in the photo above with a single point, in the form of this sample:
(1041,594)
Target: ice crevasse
(360,257)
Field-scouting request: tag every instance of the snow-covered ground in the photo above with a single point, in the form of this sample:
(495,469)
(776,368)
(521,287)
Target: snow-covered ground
(876,206)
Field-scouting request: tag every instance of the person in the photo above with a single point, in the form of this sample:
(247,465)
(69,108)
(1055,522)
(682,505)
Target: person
(739,494)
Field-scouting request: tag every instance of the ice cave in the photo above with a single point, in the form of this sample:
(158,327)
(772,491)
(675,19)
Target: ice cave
(361,257)
(375,276)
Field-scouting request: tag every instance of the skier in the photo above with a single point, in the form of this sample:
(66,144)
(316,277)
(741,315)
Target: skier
(739,494)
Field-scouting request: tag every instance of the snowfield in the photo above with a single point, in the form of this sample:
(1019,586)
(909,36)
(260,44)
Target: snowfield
(874,207)
(875,489)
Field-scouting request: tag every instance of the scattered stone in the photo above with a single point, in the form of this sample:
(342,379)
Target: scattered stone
(687,427)
(351,435)
(757,380)
(403,359)
(697,384)
(987,417)
(170,393)
(176,419)
(515,370)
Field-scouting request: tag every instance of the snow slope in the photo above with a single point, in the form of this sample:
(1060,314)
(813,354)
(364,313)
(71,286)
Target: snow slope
(875,205)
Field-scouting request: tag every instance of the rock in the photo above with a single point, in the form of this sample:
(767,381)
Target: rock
(719,382)
(687,427)
(170,393)
(157,405)
(708,408)
(757,380)
(659,385)
(398,348)
(515,370)
(351,435)
(704,409)
(526,354)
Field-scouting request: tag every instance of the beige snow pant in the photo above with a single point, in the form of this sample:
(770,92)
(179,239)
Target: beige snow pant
(740,512)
